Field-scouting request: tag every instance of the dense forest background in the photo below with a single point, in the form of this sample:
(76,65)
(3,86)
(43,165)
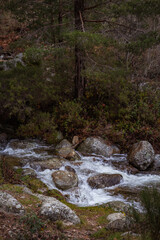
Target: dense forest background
(88,68)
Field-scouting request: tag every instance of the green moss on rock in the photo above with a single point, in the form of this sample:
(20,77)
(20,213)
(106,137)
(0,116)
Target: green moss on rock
(35,184)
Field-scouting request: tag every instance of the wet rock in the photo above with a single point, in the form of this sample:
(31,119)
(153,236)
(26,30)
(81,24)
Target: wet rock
(64,144)
(55,210)
(103,180)
(21,144)
(97,146)
(70,169)
(68,153)
(125,166)
(29,172)
(141,155)
(116,150)
(118,206)
(156,165)
(129,193)
(53,163)
(45,151)
(11,161)
(75,140)
(9,204)
(65,180)
(87,171)
(77,163)
(65,150)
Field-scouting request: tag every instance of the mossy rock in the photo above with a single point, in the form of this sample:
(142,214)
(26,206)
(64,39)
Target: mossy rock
(8,165)
(35,184)
(11,161)
(56,194)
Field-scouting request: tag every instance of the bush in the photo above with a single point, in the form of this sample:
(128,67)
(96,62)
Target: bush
(33,56)
(149,221)
(41,125)
(71,117)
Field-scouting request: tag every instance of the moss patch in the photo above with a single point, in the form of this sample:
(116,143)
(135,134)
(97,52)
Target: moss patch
(29,200)
(35,184)
(56,194)
(12,188)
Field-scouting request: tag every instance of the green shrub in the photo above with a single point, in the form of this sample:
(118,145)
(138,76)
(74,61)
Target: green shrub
(71,116)
(32,222)
(41,125)
(33,55)
(149,221)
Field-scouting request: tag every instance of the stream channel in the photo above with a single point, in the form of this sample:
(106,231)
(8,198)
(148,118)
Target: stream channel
(87,166)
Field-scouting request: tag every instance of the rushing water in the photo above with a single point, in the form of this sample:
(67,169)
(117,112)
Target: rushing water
(83,195)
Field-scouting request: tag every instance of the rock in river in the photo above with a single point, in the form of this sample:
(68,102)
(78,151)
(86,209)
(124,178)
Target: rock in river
(52,163)
(141,155)
(65,150)
(103,180)
(97,146)
(65,180)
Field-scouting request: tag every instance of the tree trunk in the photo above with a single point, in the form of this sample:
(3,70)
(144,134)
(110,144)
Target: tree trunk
(60,21)
(80,80)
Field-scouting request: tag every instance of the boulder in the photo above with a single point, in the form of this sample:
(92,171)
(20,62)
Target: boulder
(118,222)
(63,144)
(68,153)
(141,155)
(21,144)
(103,180)
(29,172)
(65,150)
(96,145)
(55,210)
(125,166)
(129,193)
(9,204)
(116,150)
(156,165)
(118,206)
(75,140)
(70,169)
(11,161)
(52,163)
(114,216)
(64,180)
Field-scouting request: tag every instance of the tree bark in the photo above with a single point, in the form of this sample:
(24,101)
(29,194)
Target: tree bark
(80,80)
(60,19)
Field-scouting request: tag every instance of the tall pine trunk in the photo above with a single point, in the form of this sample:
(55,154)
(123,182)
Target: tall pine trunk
(60,21)
(80,80)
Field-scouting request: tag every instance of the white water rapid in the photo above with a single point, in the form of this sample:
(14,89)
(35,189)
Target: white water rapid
(84,195)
